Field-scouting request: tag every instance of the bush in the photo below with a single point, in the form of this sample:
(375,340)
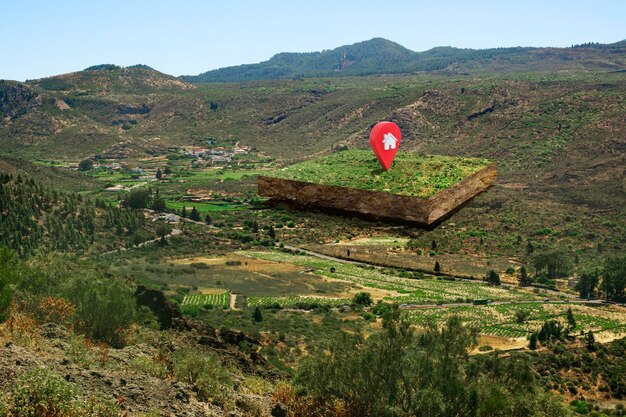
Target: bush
(104,308)
(7,280)
(362,299)
(42,393)
(204,371)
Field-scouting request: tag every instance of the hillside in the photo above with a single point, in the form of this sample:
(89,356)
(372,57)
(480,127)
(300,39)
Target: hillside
(142,274)
(558,138)
(381,56)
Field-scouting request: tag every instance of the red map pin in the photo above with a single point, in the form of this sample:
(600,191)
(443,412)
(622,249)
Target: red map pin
(385,140)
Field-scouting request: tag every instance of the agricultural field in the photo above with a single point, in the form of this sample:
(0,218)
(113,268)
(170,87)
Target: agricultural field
(203,207)
(412,174)
(500,320)
(295,301)
(391,252)
(215,300)
(417,288)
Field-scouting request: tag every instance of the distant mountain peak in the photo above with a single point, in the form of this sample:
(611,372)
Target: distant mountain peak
(382,56)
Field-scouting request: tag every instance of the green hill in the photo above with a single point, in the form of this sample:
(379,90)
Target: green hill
(381,56)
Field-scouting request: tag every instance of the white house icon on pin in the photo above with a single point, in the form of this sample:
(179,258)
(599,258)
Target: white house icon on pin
(389,141)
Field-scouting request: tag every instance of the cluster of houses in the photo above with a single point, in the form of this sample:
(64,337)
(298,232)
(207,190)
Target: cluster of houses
(216,155)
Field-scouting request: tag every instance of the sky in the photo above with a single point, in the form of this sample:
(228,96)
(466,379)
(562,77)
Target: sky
(40,38)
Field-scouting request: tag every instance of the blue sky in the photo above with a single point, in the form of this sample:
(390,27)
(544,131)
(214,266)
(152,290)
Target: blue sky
(40,38)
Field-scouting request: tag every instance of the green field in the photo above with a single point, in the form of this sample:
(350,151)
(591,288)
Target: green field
(410,290)
(295,301)
(215,300)
(411,174)
(203,207)
(499,320)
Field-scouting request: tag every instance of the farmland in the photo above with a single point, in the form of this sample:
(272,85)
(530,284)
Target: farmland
(296,301)
(408,288)
(214,300)
(500,320)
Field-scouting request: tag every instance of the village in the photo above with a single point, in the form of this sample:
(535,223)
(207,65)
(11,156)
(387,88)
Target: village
(126,174)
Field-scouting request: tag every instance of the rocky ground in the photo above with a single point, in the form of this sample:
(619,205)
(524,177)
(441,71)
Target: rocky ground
(139,376)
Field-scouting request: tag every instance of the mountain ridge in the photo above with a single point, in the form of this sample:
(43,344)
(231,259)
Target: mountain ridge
(381,56)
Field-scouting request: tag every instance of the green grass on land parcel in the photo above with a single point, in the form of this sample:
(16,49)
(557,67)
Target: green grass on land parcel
(411,174)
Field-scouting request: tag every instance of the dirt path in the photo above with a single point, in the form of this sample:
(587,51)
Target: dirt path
(232,301)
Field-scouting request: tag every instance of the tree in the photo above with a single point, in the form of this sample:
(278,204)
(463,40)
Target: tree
(614,278)
(529,248)
(272,233)
(555,264)
(137,199)
(208,219)
(85,165)
(163,230)
(159,174)
(551,330)
(194,214)
(433,245)
(257,316)
(587,283)
(437,267)
(167,170)
(158,204)
(571,321)
(590,340)
(524,279)
(532,343)
(362,299)
(521,316)
(183,212)
(492,278)
(399,373)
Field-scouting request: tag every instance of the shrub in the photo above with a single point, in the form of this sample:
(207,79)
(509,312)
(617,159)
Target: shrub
(104,308)
(7,280)
(42,393)
(204,371)
(362,299)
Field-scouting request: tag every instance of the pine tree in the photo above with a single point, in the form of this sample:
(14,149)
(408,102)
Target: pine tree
(590,340)
(437,267)
(571,321)
(159,174)
(524,279)
(208,219)
(195,214)
(492,278)
(532,343)
(257,316)
(272,233)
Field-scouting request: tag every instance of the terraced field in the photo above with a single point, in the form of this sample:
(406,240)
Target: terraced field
(499,320)
(296,301)
(215,300)
(496,320)
(409,290)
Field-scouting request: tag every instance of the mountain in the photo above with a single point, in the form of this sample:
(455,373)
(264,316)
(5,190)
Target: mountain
(381,56)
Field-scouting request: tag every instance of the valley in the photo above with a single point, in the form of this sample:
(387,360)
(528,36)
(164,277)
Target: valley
(132,176)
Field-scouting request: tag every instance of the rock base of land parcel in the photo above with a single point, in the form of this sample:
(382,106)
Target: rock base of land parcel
(375,204)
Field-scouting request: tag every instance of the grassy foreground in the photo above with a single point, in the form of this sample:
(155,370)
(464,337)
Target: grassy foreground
(411,174)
